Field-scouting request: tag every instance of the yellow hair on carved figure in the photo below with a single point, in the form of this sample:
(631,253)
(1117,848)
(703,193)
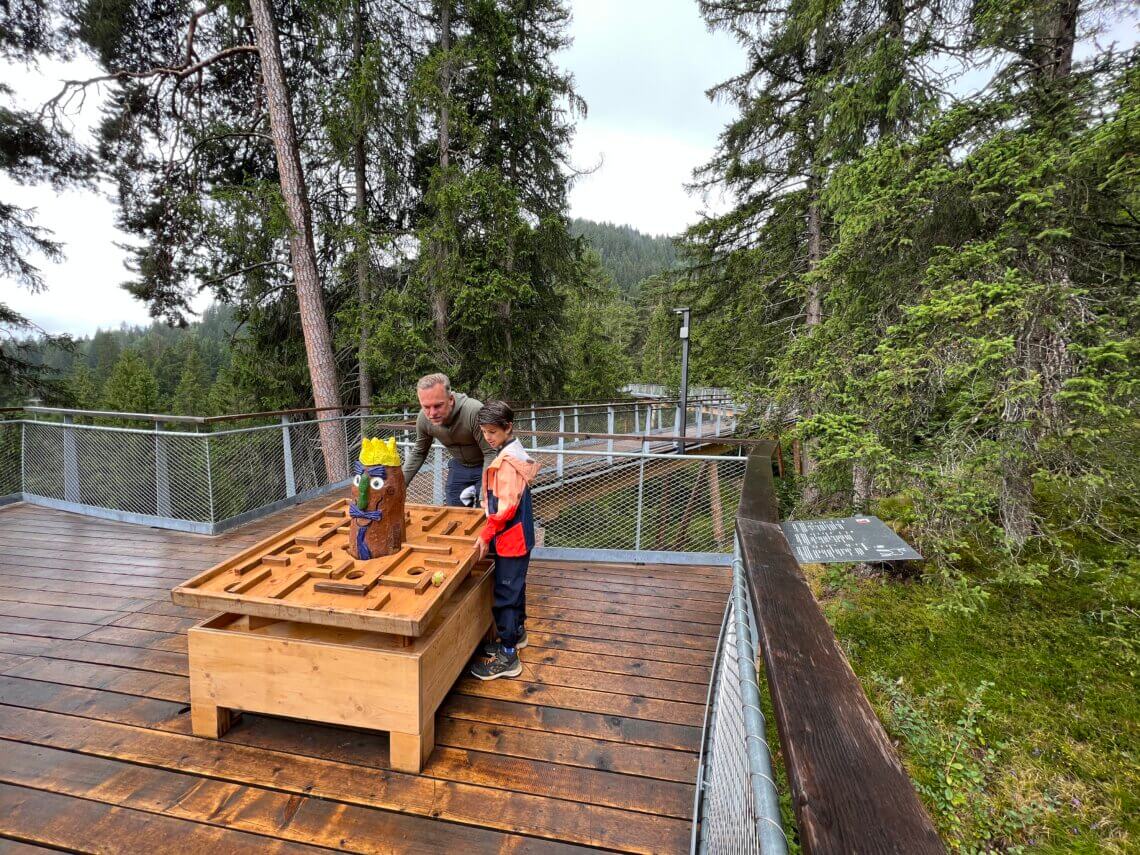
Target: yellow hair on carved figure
(379,452)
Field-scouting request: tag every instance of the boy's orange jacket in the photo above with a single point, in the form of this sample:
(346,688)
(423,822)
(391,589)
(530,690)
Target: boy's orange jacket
(506,478)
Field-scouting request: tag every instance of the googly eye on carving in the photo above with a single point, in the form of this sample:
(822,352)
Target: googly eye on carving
(376,483)
(356,481)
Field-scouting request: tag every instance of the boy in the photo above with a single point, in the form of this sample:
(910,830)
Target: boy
(509,535)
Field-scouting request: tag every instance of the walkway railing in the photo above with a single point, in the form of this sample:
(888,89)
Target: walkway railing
(849,791)
(737,806)
(609,478)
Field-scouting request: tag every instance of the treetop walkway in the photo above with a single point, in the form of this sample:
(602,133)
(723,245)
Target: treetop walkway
(635,726)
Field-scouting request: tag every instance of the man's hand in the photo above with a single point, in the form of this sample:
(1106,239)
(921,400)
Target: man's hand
(480,549)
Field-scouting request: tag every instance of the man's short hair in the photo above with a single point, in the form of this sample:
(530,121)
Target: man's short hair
(430,380)
(496,413)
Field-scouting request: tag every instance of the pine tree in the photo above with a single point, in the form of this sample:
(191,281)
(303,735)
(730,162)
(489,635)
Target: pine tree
(131,388)
(191,396)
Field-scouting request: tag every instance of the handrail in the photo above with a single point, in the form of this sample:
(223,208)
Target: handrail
(849,790)
(584,408)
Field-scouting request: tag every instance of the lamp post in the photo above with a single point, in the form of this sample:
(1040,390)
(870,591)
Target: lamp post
(683,414)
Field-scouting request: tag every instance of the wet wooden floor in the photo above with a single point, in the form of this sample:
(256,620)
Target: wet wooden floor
(594,746)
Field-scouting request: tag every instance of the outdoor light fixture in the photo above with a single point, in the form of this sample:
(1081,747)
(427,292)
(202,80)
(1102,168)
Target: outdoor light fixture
(683,412)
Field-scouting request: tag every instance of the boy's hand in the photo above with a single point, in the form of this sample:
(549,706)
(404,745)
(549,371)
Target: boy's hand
(480,549)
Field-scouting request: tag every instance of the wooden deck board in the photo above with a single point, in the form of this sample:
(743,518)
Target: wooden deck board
(594,746)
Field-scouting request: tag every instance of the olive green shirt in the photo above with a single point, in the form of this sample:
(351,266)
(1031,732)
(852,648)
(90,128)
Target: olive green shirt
(460,435)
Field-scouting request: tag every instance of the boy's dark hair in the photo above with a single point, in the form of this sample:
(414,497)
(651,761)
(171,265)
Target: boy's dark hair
(496,413)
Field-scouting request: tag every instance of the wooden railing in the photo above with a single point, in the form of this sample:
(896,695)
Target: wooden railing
(849,790)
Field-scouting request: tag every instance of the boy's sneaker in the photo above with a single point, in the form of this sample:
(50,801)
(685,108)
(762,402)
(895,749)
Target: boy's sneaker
(499,664)
(489,647)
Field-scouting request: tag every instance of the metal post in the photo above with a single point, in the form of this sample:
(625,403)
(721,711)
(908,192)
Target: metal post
(700,418)
(640,493)
(161,473)
(70,463)
(636,422)
(287,447)
(437,483)
(533,426)
(561,444)
(610,430)
(576,427)
(210,480)
(684,313)
(23,456)
(719,413)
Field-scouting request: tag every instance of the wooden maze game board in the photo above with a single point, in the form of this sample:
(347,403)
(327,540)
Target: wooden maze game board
(305,573)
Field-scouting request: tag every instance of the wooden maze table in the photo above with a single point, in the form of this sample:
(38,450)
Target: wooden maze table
(309,632)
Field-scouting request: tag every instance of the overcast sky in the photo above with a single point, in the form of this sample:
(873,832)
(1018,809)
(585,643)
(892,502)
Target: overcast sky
(641,65)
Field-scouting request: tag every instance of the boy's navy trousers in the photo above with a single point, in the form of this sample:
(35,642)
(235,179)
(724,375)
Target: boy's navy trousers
(509,603)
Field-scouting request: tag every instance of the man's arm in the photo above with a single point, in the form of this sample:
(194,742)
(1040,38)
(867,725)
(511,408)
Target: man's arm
(419,453)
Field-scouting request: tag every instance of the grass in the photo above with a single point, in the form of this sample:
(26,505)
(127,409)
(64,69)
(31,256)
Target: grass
(1019,723)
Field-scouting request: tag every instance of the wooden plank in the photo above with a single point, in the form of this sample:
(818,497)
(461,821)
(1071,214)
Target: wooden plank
(33,611)
(272,814)
(76,824)
(15,847)
(361,747)
(83,601)
(521,813)
(617,661)
(850,792)
(634,706)
(677,616)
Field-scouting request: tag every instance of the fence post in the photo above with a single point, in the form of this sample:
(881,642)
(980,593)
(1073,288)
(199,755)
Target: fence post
(437,482)
(210,479)
(287,447)
(70,463)
(161,473)
(640,492)
(719,414)
(636,420)
(700,418)
(561,464)
(610,430)
(533,426)
(577,429)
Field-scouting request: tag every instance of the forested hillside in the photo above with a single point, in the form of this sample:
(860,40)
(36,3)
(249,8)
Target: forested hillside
(605,330)
(627,255)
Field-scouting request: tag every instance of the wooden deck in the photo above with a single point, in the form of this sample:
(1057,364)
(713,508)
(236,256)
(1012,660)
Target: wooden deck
(594,746)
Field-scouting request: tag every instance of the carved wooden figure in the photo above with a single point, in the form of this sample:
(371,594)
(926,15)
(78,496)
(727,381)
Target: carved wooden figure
(377,505)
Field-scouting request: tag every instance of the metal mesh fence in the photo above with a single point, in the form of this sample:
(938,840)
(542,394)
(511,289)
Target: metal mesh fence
(43,459)
(737,809)
(10,456)
(728,811)
(592,499)
(590,493)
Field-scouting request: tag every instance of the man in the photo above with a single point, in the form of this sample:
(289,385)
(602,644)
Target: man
(453,420)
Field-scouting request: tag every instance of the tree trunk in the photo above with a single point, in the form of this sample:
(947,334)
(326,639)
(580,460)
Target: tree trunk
(813,309)
(439,251)
(314,324)
(1055,36)
(363,286)
(1042,357)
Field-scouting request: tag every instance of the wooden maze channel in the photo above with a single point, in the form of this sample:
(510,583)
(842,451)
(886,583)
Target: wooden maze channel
(594,746)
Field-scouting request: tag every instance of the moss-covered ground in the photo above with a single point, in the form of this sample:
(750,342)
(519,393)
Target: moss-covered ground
(1019,722)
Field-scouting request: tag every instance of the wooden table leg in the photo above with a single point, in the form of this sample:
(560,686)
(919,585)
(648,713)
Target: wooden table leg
(210,721)
(410,751)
